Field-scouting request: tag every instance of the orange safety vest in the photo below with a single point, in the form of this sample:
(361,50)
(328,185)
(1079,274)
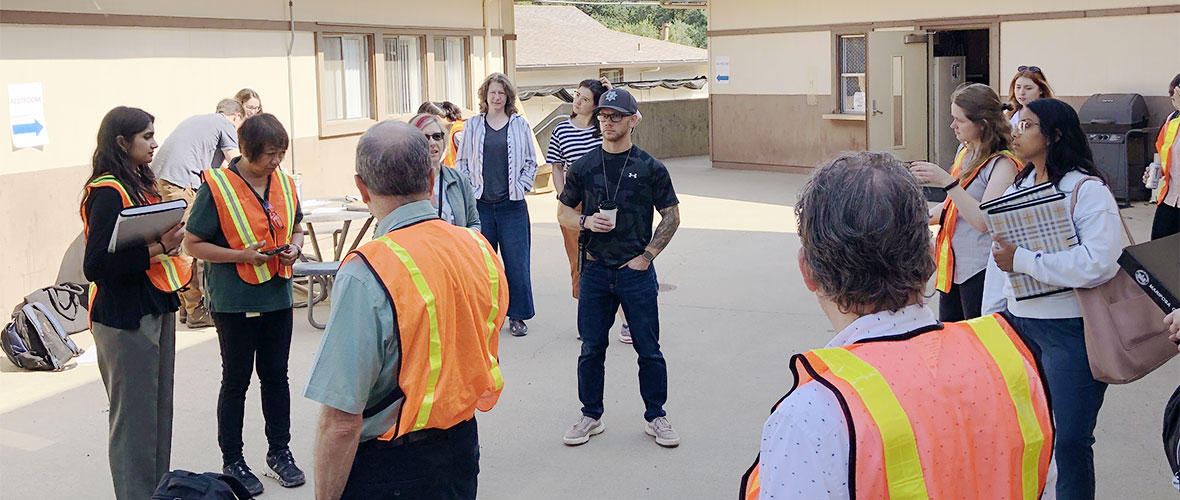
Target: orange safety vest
(452,146)
(244,221)
(451,298)
(943,252)
(953,412)
(168,274)
(1163,144)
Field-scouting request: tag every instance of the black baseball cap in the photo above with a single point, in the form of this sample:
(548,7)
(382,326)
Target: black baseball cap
(619,100)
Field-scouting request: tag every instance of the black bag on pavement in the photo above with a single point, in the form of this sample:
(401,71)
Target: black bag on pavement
(185,485)
(34,340)
(68,302)
(1172,436)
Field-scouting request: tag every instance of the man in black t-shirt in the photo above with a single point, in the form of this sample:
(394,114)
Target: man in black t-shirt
(617,269)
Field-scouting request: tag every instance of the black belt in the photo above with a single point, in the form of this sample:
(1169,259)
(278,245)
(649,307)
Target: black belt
(414,437)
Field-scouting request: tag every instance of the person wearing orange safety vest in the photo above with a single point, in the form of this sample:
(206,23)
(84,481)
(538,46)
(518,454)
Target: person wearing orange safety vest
(454,136)
(245,226)
(982,170)
(410,351)
(1167,209)
(133,304)
(898,405)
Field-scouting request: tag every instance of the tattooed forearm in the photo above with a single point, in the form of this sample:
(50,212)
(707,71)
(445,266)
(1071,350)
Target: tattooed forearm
(669,221)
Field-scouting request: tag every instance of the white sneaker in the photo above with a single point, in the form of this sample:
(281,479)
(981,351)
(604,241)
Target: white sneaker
(661,429)
(582,430)
(625,334)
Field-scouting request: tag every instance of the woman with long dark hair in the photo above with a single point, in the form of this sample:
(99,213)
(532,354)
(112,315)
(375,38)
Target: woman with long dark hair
(1050,141)
(133,303)
(983,169)
(499,158)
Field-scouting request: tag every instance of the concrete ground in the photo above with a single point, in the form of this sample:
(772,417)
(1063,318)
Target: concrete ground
(736,311)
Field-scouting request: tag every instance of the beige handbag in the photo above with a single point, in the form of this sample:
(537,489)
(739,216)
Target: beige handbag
(1125,333)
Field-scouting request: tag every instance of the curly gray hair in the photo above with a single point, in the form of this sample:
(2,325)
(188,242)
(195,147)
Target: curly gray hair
(863,224)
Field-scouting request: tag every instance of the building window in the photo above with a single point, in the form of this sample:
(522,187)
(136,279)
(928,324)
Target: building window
(852,73)
(613,75)
(403,74)
(450,70)
(346,94)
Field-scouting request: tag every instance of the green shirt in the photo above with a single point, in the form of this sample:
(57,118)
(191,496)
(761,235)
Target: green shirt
(356,364)
(224,289)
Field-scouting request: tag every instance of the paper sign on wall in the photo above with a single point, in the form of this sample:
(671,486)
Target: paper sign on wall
(721,69)
(26,111)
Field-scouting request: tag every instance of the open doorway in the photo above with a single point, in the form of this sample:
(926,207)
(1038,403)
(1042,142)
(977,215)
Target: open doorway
(956,57)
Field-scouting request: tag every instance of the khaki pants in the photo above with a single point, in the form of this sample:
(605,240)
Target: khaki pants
(137,368)
(190,298)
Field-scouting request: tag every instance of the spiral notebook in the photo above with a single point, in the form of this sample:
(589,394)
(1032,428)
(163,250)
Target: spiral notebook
(1037,219)
(144,223)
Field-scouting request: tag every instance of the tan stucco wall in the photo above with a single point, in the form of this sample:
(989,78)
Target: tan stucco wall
(774,64)
(742,14)
(172,73)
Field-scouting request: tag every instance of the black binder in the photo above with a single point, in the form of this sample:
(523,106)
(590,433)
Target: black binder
(1155,266)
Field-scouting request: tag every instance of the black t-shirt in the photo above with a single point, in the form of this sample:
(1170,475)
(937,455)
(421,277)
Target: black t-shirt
(643,188)
(495,164)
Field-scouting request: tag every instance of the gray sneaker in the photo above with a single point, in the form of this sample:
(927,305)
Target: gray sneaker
(661,429)
(582,430)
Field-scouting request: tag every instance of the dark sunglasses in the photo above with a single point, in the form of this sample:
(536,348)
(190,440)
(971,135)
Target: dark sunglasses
(613,117)
(437,136)
(1033,69)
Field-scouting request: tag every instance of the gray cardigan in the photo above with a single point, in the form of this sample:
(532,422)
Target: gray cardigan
(457,189)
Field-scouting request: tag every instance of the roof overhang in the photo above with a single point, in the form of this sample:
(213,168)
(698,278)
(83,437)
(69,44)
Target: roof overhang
(611,64)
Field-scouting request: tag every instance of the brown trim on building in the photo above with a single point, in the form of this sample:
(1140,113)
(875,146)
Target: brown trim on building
(782,169)
(139,21)
(947,22)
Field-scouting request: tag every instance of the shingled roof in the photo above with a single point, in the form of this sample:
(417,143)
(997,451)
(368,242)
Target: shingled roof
(555,36)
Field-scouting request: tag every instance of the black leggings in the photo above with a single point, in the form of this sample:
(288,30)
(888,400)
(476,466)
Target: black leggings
(964,301)
(264,341)
(1167,221)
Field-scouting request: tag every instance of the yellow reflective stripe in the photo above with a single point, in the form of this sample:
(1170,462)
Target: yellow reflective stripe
(903,468)
(288,202)
(238,216)
(1173,127)
(435,340)
(170,271)
(1011,365)
(102,180)
(494,280)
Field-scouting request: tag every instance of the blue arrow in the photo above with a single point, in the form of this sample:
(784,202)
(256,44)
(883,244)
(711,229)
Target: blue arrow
(722,77)
(27,128)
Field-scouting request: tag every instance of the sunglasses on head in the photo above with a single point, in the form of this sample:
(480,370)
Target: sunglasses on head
(437,136)
(1033,69)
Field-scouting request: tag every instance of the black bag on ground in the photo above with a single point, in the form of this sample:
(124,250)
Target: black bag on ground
(1172,436)
(34,340)
(68,302)
(185,485)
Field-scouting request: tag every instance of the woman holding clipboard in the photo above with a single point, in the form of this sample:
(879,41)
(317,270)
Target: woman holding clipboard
(132,303)
(245,224)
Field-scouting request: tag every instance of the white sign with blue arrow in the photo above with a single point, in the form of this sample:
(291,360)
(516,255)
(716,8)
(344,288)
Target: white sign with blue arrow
(721,69)
(26,112)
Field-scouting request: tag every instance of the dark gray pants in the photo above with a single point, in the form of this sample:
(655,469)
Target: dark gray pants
(137,369)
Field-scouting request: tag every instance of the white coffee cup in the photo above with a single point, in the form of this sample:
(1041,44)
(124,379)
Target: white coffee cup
(608,210)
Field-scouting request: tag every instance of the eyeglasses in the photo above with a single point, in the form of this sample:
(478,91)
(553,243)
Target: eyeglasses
(613,117)
(437,136)
(1022,126)
(1033,69)
(254,109)
(276,223)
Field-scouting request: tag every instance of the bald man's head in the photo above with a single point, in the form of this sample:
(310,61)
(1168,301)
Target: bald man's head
(393,159)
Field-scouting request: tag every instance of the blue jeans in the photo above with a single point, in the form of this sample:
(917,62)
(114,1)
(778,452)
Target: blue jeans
(1074,397)
(506,226)
(601,290)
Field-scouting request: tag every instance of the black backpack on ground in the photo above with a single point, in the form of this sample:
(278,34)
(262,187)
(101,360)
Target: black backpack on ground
(1172,436)
(185,485)
(35,340)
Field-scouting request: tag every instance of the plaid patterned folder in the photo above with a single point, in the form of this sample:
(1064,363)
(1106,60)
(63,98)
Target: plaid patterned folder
(1037,219)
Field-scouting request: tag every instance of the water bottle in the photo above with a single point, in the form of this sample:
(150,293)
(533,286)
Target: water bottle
(1153,173)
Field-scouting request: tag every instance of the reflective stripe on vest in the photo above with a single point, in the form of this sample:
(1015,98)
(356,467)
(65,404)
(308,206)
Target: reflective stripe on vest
(885,445)
(1164,144)
(167,274)
(447,289)
(944,254)
(245,223)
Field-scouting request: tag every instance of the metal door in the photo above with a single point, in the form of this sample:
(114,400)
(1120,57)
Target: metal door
(897,93)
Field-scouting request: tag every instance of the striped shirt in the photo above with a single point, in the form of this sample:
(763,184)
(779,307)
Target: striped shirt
(570,143)
(522,156)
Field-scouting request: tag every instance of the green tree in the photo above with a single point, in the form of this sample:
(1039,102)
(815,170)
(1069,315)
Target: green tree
(688,26)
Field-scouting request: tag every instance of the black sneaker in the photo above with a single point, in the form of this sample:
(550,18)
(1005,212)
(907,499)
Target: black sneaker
(283,464)
(517,327)
(240,471)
